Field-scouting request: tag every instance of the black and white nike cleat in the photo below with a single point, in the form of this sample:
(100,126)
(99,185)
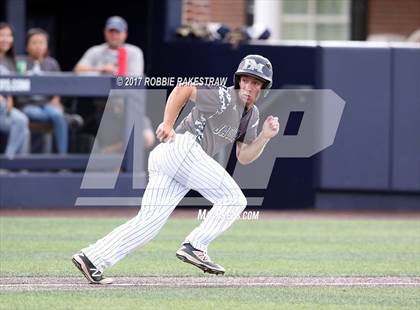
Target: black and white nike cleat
(91,273)
(188,254)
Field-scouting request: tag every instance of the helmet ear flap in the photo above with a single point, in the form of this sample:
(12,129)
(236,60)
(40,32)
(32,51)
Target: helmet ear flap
(236,81)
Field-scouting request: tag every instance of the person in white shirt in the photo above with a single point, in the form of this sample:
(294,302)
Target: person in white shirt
(103,58)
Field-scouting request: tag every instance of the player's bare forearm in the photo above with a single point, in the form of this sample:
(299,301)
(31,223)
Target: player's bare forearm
(247,153)
(104,69)
(177,99)
(84,68)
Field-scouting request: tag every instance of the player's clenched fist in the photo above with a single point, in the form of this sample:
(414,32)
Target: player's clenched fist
(165,133)
(271,127)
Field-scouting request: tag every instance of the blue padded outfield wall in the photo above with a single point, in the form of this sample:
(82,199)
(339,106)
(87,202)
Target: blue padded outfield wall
(375,161)
(378,143)
(405,138)
(360,156)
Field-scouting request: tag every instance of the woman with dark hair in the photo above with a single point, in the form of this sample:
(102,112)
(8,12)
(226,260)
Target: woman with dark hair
(7,49)
(44,108)
(12,121)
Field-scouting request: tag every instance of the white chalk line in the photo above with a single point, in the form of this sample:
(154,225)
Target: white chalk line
(32,286)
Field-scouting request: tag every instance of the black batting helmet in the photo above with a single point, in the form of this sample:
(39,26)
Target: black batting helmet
(256,66)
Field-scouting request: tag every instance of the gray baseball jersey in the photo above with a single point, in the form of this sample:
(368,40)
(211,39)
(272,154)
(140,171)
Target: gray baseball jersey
(219,118)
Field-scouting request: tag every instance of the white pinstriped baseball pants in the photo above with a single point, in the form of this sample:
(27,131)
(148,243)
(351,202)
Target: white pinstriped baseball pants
(174,169)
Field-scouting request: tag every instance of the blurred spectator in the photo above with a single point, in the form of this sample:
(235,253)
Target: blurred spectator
(221,32)
(111,137)
(148,133)
(44,108)
(12,121)
(114,56)
(258,32)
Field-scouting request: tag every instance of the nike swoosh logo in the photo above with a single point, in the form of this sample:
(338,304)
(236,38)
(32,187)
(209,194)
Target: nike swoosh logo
(256,123)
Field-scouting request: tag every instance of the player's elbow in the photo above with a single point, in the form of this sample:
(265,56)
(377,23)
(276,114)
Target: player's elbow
(243,160)
(241,154)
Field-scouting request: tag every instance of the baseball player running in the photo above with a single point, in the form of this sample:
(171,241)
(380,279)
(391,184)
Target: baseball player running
(183,161)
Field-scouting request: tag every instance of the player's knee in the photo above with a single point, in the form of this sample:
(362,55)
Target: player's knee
(238,200)
(241,200)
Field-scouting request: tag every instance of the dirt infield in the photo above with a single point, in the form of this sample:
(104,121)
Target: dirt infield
(70,283)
